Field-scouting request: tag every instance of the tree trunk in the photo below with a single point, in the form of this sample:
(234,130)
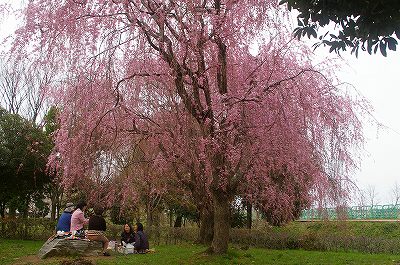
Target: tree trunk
(24,211)
(58,207)
(149,217)
(153,216)
(171,217)
(221,203)
(206,231)
(2,209)
(249,215)
(156,217)
(53,209)
(12,210)
(178,221)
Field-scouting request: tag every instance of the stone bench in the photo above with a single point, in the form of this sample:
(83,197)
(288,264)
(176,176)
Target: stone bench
(58,247)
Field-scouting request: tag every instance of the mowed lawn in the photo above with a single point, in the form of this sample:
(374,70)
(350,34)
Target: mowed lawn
(24,252)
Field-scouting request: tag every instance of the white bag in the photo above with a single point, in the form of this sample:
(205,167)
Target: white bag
(129,249)
(112,245)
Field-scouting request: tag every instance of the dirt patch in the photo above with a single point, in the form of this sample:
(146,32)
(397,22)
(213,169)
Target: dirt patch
(79,261)
(32,259)
(35,260)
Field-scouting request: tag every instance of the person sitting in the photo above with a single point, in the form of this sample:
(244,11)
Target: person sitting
(97,227)
(64,222)
(78,219)
(141,242)
(127,236)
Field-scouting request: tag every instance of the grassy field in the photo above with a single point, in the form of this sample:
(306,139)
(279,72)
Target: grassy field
(24,252)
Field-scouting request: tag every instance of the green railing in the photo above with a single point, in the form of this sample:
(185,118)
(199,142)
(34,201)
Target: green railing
(376,212)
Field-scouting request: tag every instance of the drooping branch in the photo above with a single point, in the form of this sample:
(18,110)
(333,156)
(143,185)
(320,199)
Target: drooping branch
(221,69)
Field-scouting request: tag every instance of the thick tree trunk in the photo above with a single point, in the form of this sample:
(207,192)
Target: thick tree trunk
(206,231)
(249,215)
(221,203)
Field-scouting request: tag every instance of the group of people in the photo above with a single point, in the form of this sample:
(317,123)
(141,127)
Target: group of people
(135,237)
(73,220)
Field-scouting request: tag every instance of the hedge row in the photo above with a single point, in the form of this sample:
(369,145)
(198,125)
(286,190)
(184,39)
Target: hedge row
(42,229)
(272,238)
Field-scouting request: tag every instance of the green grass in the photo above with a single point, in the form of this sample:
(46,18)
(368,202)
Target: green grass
(22,252)
(354,228)
(12,250)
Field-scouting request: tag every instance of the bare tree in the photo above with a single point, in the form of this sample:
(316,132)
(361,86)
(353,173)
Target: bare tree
(12,85)
(23,87)
(37,83)
(360,197)
(396,193)
(372,195)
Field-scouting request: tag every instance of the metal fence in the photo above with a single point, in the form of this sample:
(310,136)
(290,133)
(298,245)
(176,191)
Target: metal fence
(375,212)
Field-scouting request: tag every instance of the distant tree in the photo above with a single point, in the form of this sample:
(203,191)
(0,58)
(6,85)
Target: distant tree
(24,149)
(360,197)
(238,214)
(396,193)
(372,195)
(120,217)
(12,85)
(54,190)
(23,88)
(365,24)
(38,205)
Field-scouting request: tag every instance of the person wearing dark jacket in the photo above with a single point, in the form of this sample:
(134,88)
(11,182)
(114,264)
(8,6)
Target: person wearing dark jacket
(127,236)
(97,227)
(141,242)
(64,222)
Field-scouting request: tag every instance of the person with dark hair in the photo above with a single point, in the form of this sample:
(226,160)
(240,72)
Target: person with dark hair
(97,227)
(127,236)
(141,242)
(78,219)
(64,222)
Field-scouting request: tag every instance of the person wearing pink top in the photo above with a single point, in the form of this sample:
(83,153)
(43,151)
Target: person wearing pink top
(78,218)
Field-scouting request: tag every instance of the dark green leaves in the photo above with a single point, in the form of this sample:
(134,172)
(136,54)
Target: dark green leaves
(24,149)
(305,30)
(371,25)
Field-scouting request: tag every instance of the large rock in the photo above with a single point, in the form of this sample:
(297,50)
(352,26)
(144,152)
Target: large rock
(56,247)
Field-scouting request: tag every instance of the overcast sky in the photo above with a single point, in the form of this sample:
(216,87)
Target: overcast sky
(378,79)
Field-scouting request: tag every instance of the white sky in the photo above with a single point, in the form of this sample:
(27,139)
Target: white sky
(378,79)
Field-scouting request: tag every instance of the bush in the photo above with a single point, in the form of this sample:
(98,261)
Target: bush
(27,229)
(42,229)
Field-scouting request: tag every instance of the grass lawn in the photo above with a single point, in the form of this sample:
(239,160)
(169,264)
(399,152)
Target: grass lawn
(24,252)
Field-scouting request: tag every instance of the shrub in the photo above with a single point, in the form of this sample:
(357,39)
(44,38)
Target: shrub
(31,228)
